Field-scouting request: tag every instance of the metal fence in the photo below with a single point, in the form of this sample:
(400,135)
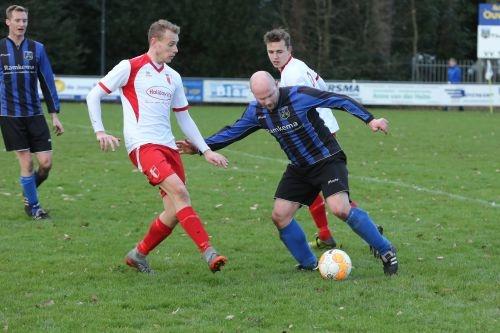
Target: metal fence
(426,68)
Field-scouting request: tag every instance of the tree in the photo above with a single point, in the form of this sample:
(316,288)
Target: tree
(341,39)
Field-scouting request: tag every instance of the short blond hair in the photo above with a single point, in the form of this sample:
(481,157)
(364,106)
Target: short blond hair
(15,8)
(158,28)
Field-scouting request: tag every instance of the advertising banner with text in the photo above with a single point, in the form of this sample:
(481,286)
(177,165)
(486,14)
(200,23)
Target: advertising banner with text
(370,93)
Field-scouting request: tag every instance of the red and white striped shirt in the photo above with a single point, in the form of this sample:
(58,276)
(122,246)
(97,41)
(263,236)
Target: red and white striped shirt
(148,92)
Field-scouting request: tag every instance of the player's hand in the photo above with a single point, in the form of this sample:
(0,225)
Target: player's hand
(57,125)
(107,141)
(215,158)
(186,147)
(379,124)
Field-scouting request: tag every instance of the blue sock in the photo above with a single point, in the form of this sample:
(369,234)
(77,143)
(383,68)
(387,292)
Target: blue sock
(362,224)
(29,189)
(295,240)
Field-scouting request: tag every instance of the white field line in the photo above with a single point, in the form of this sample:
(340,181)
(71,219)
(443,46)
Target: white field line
(386,181)
(367,179)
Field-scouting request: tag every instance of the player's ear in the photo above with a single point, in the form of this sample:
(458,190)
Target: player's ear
(153,41)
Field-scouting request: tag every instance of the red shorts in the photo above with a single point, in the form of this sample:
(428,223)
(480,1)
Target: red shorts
(157,162)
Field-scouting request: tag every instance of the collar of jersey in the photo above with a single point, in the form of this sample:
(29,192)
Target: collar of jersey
(155,66)
(286,63)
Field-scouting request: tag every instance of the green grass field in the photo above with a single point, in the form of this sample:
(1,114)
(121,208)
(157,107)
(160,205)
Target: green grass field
(433,183)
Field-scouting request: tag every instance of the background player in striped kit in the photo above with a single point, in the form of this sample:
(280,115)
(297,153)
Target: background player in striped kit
(149,89)
(23,62)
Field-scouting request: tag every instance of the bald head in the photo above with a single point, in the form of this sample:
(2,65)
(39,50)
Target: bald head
(264,89)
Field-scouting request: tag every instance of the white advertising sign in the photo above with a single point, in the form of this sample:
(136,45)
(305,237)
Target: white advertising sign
(370,93)
(227,91)
(488,31)
(76,88)
(488,41)
(380,93)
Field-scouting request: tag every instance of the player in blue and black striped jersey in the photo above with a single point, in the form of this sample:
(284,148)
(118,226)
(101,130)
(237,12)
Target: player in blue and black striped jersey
(24,63)
(317,162)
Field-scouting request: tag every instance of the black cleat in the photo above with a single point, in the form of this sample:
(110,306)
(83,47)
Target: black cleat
(37,213)
(390,262)
(302,268)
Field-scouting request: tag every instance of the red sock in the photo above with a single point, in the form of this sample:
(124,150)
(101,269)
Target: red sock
(191,223)
(156,234)
(318,213)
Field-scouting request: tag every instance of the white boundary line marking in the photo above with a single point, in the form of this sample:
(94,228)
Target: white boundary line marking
(385,181)
(368,179)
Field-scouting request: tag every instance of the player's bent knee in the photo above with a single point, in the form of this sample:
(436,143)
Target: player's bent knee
(280,219)
(341,211)
(44,167)
(180,194)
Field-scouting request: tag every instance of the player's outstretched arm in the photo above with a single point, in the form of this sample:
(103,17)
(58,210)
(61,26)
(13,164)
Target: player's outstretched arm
(379,124)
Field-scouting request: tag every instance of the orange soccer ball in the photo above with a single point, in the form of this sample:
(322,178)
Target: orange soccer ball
(335,265)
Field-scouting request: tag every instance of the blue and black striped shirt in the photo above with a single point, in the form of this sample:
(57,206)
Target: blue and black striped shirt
(20,70)
(294,123)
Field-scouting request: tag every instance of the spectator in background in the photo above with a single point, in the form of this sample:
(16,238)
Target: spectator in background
(454,75)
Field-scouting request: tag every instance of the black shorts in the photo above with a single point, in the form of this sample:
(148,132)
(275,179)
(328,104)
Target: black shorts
(23,133)
(303,184)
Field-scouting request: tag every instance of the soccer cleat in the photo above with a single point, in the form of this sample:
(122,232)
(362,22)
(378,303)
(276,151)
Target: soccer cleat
(390,261)
(372,249)
(37,212)
(330,243)
(138,261)
(214,260)
(302,268)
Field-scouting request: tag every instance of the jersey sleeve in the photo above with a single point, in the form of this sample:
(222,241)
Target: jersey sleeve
(179,100)
(116,78)
(310,98)
(190,129)
(47,83)
(240,129)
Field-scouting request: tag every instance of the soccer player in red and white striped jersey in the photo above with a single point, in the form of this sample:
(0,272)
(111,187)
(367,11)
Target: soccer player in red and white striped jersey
(149,89)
